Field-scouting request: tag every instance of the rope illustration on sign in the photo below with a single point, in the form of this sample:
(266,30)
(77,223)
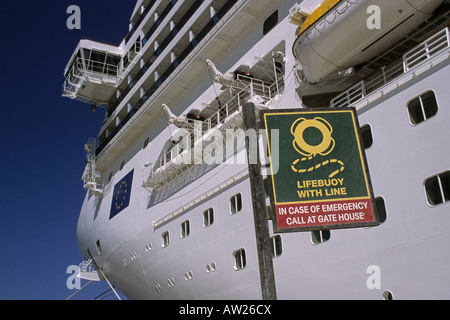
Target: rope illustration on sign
(319,144)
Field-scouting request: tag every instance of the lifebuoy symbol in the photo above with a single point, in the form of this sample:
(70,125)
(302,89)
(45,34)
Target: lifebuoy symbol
(309,151)
(323,148)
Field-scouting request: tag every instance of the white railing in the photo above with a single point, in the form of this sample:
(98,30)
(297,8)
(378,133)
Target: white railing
(414,58)
(349,97)
(103,68)
(69,89)
(180,149)
(225,117)
(71,84)
(427,49)
(90,68)
(258,87)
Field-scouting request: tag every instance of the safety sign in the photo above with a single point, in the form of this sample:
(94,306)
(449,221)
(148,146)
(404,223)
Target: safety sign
(322,180)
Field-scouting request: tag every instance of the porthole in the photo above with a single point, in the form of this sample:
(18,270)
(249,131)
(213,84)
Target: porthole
(211,267)
(277,247)
(208,217)
(240,259)
(320,236)
(188,275)
(380,206)
(367,137)
(387,295)
(437,189)
(165,239)
(185,229)
(235,203)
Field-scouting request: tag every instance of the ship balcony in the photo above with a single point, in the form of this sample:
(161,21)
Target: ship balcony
(417,60)
(180,157)
(93,73)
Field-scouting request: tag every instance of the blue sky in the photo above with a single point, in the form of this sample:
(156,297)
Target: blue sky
(42,145)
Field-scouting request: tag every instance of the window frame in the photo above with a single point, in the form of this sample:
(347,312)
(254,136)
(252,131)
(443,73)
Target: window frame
(236,203)
(443,188)
(208,217)
(277,246)
(185,229)
(366,136)
(322,238)
(240,259)
(423,110)
(165,239)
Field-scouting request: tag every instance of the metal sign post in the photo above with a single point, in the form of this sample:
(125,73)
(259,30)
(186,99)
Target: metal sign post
(263,242)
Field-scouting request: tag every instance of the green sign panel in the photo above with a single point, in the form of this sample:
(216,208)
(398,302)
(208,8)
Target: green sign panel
(319,176)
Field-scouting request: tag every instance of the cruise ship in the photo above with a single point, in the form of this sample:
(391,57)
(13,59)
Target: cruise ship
(174,209)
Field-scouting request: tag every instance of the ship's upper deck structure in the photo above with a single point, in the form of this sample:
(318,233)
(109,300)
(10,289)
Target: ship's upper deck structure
(167,41)
(170,41)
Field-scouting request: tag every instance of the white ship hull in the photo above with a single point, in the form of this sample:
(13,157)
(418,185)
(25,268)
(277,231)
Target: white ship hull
(201,260)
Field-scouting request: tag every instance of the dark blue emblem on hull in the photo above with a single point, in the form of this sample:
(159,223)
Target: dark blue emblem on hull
(121,195)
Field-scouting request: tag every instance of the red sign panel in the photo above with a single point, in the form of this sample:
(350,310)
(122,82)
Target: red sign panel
(314,214)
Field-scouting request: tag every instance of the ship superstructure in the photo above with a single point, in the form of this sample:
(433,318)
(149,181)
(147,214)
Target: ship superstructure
(168,211)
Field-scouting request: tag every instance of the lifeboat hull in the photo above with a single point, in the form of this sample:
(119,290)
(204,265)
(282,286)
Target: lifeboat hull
(347,36)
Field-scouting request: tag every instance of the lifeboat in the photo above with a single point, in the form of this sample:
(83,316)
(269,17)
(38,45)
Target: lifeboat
(342,34)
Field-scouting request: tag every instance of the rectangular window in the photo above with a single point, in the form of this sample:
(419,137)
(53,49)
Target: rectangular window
(320,236)
(185,229)
(437,189)
(236,203)
(208,217)
(277,248)
(367,138)
(380,207)
(422,107)
(165,239)
(240,260)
